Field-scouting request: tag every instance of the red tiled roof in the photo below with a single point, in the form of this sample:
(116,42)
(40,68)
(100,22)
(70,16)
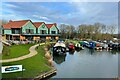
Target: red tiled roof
(49,25)
(37,24)
(15,24)
(6,26)
(19,24)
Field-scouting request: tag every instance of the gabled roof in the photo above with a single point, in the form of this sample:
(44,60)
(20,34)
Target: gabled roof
(19,24)
(38,24)
(49,25)
(15,24)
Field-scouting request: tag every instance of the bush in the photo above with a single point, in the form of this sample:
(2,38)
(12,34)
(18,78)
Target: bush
(6,50)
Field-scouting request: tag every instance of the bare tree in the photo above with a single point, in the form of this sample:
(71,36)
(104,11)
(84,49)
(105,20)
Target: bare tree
(62,29)
(112,28)
(84,31)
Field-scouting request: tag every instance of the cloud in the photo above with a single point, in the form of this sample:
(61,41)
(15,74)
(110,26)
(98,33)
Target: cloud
(10,5)
(60,1)
(74,13)
(92,12)
(44,18)
(41,17)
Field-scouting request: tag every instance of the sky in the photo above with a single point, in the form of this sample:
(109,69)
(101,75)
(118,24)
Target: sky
(73,13)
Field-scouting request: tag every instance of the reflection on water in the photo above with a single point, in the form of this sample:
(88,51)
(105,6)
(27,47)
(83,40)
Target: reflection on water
(91,51)
(87,63)
(72,52)
(59,59)
(114,52)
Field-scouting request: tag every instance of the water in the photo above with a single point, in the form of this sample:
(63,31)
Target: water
(87,64)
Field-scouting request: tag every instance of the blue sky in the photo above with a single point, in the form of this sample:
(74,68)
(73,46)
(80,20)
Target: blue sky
(74,13)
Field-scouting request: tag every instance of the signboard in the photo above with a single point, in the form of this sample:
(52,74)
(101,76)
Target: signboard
(9,69)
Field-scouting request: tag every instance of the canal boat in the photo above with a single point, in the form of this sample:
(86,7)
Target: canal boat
(101,46)
(110,46)
(98,46)
(105,46)
(78,47)
(83,43)
(59,48)
(71,46)
(115,46)
(119,46)
(90,45)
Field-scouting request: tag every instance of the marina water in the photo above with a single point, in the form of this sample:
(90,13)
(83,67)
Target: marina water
(87,63)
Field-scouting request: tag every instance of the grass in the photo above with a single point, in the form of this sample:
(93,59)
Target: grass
(15,51)
(33,66)
(73,41)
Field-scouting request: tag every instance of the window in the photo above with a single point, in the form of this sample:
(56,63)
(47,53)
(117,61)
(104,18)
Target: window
(42,31)
(15,31)
(29,31)
(53,32)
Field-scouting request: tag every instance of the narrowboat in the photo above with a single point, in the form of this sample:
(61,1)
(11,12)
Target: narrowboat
(71,46)
(101,46)
(119,46)
(83,43)
(78,47)
(115,46)
(90,45)
(98,46)
(110,46)
(59,48)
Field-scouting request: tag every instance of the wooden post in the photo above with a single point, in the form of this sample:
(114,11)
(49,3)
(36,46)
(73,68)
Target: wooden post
(9,37)
(12,37)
